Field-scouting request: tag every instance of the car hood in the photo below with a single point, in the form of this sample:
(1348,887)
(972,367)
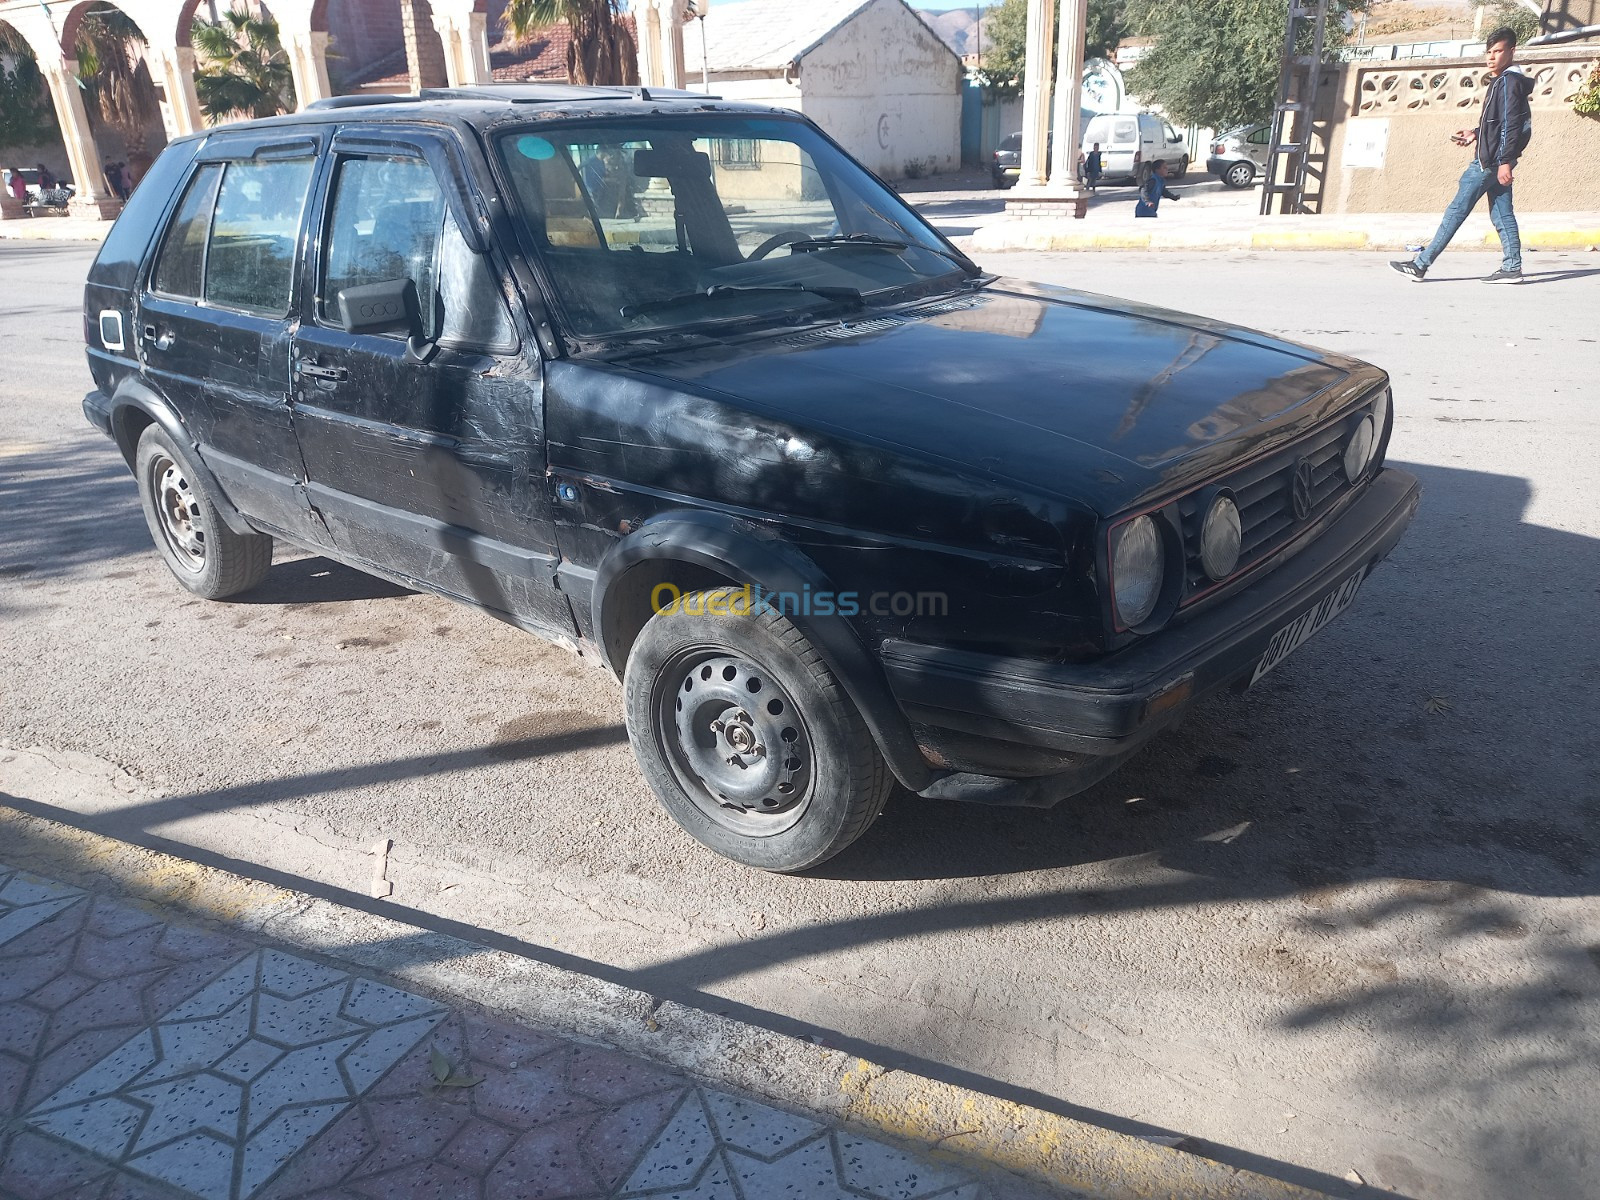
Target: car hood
(1064,392)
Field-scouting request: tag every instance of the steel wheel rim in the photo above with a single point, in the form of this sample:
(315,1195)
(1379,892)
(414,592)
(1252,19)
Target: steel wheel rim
(178,512)
(735,740)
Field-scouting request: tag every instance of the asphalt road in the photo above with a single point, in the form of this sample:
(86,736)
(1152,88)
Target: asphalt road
(1343,922)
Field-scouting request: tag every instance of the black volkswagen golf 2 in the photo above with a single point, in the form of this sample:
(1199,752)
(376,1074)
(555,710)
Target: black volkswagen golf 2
(677,384)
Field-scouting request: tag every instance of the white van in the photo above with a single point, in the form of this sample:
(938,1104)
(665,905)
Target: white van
(1130,142)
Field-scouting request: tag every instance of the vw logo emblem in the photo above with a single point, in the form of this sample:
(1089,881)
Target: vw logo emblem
(1300,490)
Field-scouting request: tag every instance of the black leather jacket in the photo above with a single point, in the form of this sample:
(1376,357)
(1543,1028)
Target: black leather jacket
(1506,124)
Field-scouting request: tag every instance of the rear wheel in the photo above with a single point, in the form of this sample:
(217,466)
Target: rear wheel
(203,554)
(1239,175)
(746,737)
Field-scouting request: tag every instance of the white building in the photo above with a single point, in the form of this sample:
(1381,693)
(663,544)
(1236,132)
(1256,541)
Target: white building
(870,72)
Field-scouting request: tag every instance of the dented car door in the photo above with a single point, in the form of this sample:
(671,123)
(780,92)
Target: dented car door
(423,443)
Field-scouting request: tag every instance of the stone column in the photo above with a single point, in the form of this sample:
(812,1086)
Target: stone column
(673,73)
(424,51)
(308,63)
(466,47)
(93,198)
(1068,100)
(1036,93)
(648,33)
(172,67)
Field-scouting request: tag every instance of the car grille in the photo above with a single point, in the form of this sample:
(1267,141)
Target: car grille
(1264,492)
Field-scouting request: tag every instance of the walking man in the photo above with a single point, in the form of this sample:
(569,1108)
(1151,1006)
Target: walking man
(1504,128)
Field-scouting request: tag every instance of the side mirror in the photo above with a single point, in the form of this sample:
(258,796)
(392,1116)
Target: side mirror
(390,306)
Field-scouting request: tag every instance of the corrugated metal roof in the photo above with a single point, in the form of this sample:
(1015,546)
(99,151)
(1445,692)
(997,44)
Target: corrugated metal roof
(764,34)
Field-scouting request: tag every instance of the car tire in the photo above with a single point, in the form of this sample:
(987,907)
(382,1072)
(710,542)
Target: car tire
(1239,175)
(714,694)
(1183,169)
(205,556)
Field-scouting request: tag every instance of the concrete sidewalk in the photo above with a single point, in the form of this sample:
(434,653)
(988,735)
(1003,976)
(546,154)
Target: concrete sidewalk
(1199,228)
(169,1030)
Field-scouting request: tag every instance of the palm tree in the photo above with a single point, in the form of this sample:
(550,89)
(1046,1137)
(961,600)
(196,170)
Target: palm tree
(243,71)
(602,50)
(110,50)
(26,115)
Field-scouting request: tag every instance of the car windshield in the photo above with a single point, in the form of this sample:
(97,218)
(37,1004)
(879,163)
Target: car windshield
(677,221)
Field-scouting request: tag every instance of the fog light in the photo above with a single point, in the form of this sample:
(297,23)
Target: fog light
(1221,537)
(1136,571)
(1358,452)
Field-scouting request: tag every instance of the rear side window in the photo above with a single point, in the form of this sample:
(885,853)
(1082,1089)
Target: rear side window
(180,271)
(1260,136)
(232,238)
(250,262)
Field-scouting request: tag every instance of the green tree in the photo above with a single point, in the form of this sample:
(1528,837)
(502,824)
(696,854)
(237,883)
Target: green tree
(26,114)
(1217,62)
(1497,13)
(116,82)
(1005,30)
(602,50)
(242,71)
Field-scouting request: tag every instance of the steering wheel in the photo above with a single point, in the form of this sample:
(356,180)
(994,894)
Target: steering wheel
(778,239)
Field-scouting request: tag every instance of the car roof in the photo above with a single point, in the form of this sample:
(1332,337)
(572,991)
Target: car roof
(493,104)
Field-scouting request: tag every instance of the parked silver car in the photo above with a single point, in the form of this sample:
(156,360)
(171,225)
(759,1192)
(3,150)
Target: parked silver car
(1240,155)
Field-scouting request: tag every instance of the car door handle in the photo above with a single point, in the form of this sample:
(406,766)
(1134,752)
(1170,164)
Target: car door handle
(319,372)
(163,339)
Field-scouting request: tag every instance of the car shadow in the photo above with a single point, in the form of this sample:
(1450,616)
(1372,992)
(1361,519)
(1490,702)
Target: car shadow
(317,580)
(68,505)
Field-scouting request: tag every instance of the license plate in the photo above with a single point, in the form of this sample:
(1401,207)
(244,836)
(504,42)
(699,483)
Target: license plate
(1306,626)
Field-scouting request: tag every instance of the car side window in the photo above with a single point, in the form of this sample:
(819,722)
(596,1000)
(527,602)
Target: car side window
(389,220)
(250,259)
(180,269)
(1259,137)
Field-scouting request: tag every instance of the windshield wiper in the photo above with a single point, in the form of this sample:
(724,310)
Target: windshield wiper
(839,295)
(873,242)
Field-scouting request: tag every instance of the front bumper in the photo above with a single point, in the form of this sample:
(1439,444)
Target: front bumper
(1107,707)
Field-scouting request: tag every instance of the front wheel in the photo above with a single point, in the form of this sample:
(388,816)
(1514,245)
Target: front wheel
(746,737)
(205,556)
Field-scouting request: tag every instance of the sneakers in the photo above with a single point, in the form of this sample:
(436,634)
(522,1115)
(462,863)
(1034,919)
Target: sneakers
(1410,270)
(1504,276)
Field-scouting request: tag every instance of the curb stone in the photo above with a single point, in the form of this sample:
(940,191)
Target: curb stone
(943,1122)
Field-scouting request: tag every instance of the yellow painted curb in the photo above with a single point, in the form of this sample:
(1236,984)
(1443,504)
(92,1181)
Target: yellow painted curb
(1295,239)
(1552,239)
(1050,1149)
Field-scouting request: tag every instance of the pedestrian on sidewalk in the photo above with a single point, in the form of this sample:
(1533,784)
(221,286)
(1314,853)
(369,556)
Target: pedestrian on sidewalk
(1505,126)
(1153,189)
(1092,166)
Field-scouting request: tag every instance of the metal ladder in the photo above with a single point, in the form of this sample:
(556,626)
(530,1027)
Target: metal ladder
(1295,173)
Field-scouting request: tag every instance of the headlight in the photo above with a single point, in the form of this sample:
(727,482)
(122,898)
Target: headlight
(1220,538)
(1136,570)
(1359,450)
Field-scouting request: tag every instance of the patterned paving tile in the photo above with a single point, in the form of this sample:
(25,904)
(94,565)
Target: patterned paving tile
(26,902)
(225,1088)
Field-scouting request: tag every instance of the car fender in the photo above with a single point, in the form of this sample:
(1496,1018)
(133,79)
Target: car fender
(134,395)
(741,550)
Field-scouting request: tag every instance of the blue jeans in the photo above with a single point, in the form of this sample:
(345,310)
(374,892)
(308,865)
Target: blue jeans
(1476,182)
